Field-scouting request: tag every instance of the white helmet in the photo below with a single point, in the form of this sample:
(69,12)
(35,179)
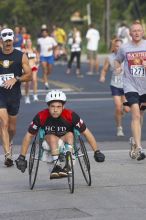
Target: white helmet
(55,95)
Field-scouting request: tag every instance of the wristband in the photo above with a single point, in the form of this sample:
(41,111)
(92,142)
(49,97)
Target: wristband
(17,78)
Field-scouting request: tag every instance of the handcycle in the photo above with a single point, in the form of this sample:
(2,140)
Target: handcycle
(78,152)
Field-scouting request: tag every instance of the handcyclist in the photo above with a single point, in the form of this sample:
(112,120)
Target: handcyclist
(58,123)
(12,62)
(133,54)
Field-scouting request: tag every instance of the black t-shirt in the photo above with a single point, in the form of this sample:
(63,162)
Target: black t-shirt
(11,66)
(67,121)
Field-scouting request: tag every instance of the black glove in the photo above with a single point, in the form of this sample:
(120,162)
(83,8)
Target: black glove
(21,163)
(98,156)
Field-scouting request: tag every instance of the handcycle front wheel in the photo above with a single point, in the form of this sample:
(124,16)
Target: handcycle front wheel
(70,171)
(83,159)
(34,161)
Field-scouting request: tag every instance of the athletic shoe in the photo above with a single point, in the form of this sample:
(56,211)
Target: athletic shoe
(66,169)
(35,98)
(8,160)
(140,155)
(120,132)
(132,152)
(55,172)
(27,100)
(46,86)
(63,172)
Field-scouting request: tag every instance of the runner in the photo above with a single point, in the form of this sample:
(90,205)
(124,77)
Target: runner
(33,62)
(46,47)
(12,62)
(18,39)
(134,80)
(116,85)
(75,51)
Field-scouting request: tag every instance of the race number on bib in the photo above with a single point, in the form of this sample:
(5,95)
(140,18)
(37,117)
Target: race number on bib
(137,70)
(118,79)
(5,77)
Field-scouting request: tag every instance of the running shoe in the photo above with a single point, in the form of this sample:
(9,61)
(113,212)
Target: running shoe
(140,155)
(63,172)
(132,152)
(8,160)
(35,98)
(46,86)
(27,100)
(58,172)
(120,132)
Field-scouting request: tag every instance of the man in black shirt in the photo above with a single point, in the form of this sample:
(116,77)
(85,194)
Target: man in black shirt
(58,123)
(12,62)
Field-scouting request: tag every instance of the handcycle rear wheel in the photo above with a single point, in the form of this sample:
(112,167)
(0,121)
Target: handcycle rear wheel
(83,159)
(34,160)
(70,171)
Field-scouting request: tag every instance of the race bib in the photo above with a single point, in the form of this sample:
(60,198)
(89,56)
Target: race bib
(137,70)
(118,79)
(5,77)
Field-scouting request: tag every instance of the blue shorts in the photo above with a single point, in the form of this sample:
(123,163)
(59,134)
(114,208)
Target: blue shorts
(116,91)
(12,106)
(49,60)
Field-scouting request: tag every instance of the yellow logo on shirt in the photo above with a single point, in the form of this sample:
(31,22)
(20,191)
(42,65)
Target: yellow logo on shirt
(6,63)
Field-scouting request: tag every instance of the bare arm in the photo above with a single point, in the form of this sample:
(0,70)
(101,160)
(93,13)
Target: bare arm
(25,143)
(104,70)
(91,139)
(27,73)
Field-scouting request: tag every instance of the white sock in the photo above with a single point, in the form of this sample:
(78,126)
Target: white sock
(55,157)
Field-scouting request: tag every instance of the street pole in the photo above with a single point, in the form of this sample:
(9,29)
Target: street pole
(107,23)
(89,13)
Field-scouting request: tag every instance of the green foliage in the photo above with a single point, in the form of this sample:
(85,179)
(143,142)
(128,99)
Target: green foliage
(33,13)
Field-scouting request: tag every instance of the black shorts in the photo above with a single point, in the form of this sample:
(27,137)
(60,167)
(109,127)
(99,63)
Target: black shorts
(135,98)
(12,105)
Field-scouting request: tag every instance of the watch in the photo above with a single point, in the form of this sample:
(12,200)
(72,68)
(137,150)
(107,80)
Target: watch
(17,78)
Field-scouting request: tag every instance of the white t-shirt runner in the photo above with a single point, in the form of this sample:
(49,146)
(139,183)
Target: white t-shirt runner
(133,55)
(45,44)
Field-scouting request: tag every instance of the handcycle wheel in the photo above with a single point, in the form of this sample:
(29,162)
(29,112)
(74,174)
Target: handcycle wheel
(70,171)
(83,159)
(34,159)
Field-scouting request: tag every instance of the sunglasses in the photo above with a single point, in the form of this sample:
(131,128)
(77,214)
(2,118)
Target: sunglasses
(7,34)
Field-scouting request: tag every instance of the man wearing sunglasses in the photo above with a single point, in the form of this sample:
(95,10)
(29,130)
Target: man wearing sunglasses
(14,69)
